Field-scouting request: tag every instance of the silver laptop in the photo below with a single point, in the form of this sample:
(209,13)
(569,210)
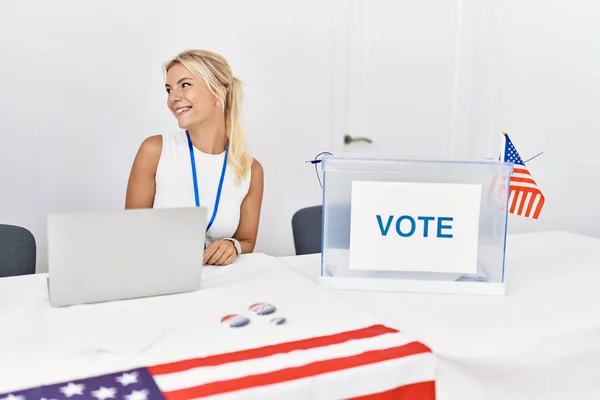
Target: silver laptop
(99,257)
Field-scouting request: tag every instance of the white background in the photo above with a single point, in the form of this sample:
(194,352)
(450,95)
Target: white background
(371,250)
(82,86)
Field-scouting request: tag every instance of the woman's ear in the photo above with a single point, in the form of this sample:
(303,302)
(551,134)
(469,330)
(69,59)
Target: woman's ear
(220,104)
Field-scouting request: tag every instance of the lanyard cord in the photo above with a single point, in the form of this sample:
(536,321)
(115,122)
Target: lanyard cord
(195,179)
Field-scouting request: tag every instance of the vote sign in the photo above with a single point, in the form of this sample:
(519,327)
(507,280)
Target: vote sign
(409,226)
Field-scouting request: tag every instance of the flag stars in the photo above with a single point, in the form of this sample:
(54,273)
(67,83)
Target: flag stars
(132,384)
(127,378)
(72,389)
(13,397)
(137,395)
(104,393)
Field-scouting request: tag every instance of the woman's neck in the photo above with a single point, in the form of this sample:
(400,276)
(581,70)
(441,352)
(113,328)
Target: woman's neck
(209,139)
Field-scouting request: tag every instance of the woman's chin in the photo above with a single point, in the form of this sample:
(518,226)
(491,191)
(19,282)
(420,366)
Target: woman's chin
(183,124)
(186,123)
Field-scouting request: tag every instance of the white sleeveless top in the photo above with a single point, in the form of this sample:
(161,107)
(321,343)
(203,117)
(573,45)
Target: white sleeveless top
(175,185)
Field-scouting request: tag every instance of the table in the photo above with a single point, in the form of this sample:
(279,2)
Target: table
(329,348)
(540,341)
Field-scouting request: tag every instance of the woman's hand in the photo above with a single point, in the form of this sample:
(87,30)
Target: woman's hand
(220,252)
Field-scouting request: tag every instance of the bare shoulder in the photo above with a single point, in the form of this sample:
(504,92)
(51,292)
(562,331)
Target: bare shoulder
(257,168)
(256,177)
(149,152)
(152,145)
(257,174)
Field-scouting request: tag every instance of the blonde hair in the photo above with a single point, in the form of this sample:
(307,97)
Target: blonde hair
(215,71)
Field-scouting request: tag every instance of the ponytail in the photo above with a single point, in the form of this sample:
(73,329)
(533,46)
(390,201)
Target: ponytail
(239,156)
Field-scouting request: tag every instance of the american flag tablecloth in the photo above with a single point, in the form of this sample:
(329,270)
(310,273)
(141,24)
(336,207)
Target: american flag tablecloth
(375,362)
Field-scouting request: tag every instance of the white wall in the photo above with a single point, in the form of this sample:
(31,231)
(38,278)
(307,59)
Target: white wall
(82,86)
(541,60)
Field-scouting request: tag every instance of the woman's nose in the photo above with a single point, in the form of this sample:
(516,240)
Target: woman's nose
(174,97)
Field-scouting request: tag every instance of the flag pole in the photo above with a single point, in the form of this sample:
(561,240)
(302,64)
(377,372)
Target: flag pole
(502,145)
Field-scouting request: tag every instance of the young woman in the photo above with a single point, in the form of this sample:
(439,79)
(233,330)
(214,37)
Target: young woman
(206,163)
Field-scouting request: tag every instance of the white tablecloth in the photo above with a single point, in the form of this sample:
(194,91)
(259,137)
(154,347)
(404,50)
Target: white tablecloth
(41,345)
(540,341)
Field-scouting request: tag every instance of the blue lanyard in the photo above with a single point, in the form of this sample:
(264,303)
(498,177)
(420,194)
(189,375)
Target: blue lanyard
(196,194)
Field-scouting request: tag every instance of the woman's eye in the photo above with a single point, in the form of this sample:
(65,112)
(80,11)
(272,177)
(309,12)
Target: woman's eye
(168,91)
(185,83)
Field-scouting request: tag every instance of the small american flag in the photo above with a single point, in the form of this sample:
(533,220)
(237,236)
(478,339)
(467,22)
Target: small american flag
(375,363)
(526,199)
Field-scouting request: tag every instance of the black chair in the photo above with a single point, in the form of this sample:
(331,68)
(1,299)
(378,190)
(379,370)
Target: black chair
(306,229)
(17,251)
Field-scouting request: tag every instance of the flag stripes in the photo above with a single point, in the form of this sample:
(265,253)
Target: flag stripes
(368,361)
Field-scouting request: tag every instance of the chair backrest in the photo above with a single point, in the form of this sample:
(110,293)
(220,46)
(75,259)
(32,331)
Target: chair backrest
(306,229)
(17,251)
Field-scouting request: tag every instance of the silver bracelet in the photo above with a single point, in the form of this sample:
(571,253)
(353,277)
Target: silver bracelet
(236,244)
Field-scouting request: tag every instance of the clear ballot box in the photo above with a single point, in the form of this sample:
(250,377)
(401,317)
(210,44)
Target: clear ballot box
(414,225)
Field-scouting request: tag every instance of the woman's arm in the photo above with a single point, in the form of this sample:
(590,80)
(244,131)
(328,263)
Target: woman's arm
(250,213)
(141,186)
(222,252)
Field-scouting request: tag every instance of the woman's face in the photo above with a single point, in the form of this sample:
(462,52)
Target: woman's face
(189,99)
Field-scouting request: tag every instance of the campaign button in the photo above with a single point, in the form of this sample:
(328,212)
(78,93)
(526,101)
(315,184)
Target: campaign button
(277,320)
(262,308)
(235,320)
